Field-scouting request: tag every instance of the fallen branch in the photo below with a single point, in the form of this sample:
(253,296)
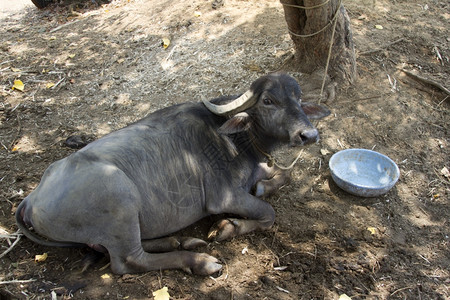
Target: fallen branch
(17,281)
(382,47)
(427,81)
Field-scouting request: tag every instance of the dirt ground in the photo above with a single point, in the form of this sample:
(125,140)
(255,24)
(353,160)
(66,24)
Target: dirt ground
(92,69)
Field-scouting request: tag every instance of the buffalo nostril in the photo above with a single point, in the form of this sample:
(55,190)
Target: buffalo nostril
(309,136)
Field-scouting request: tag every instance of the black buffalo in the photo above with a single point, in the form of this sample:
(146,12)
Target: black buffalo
(126,191)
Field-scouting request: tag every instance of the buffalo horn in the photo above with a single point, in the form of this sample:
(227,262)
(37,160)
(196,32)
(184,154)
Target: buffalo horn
(240,104)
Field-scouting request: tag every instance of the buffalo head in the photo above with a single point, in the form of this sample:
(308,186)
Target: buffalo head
(273,111)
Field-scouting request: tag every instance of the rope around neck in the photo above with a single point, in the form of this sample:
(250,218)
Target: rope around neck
(271,160)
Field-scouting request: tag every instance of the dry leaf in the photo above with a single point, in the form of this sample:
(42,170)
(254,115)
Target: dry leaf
(372,230)
(40,258)
(161,294)
(344,297)
(254,67)
(166,43)
(18,85)
(15,148)
(49,85)
(324,151)
(15,70)
(445,172)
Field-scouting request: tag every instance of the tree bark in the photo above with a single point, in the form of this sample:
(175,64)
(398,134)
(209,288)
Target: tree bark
(312,51)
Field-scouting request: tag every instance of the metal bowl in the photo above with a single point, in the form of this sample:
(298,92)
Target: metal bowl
(363,172)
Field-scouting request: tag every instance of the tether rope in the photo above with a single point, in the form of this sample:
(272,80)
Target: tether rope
(332,21)
(312,7)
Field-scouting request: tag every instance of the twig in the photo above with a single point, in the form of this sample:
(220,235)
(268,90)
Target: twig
(393,84)
(282,290)
(382,47)
(8,61)
(276,256)
(427,81)
(61,80)
(63,25)
(438,55)
(226,268)
(274,236)
(17,281)
(105,266)
(402,289)
(364,99)
(424,258)
(11,247)
(171,53)
(439,104)
(160,278)
(18,132)
(15,107)
(12,235)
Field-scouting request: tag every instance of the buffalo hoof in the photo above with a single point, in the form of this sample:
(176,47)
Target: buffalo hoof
(189,243)
(204,264)
(223,229)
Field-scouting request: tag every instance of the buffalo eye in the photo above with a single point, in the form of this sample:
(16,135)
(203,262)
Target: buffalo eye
(267,101)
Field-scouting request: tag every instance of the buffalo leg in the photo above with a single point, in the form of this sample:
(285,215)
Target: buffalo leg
(141,261)
(260,216)
(172,243)
(122,239)
(131,258)
(270,179)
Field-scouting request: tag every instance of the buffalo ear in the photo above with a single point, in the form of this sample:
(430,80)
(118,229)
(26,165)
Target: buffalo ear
(238,123)
(315,111)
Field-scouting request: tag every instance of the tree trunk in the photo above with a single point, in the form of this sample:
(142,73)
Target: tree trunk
(312,51)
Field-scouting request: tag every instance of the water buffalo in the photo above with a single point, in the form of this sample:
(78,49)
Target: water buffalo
(125,192)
